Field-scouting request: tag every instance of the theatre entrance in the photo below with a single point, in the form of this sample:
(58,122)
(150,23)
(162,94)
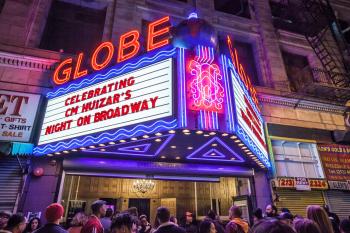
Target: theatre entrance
(78,192)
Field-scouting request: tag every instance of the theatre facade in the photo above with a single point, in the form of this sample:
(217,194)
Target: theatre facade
(169,118)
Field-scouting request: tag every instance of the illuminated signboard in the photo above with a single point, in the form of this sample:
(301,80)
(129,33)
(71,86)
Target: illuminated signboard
(138,96)
(248,122)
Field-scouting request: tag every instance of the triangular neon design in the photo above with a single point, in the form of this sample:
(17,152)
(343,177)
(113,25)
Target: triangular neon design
(203,152)
(142,148)
(213,153)
(127,148)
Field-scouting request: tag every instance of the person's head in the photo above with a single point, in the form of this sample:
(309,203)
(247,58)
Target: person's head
(99,208)
(109,213)
(271,210)
(212,214)
(173,219)
(143,220)
(271,226)
(133,211)
(285,210)
(124,223)
(235,212)
(306,226)
(286,218)
(163,215)
(345,226)
(319,215)
(188,217)
(79,219)
(33,224)
(54,213)
(258,215)
(16,223)
(207,226)
(4,218)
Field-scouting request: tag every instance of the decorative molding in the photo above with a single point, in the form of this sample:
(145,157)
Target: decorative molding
(26,62)
(298,103)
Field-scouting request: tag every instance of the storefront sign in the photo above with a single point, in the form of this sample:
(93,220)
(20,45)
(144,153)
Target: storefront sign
(302,183)
(129,46)
(17,115)
(340,185)
(336,161)
(138,96)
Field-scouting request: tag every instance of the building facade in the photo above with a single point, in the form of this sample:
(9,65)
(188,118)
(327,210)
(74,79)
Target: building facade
(280,61)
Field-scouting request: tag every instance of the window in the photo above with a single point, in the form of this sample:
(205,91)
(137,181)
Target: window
(2,4)
(234,7)
(246,57)
(296,159)
(73,28)
(283,18)
(298,71)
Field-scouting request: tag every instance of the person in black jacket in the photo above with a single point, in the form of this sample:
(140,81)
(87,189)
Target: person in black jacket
(53,214)
(189,223)
(163,216)
(212,216)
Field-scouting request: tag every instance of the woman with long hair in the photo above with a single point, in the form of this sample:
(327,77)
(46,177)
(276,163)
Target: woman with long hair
(77,222)
(319,216)
(34,224)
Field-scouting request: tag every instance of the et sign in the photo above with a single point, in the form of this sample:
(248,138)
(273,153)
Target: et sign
(17,115)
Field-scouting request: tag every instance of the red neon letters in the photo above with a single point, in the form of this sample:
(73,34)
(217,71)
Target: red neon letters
(241,71)
(129,46)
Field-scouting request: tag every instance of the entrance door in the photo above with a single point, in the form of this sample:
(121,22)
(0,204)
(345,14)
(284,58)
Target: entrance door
(142,205)
(170,203)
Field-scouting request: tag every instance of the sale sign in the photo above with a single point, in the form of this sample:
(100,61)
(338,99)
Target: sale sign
(17,115)
(138,96)
(336,161)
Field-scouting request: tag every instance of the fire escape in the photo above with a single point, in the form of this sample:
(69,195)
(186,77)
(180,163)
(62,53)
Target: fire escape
(315,19)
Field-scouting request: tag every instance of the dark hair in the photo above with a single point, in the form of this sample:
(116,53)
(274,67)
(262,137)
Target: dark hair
(95,207)
(236,211)
(109,213)
(306,226)
(272,226)
(163,214)
(133,211)
(14,221)
(211,214)
(258,213)
(123,220)
(345,225)
(143,216)
(285,210)
(286,215)
(204,227)
(29,225)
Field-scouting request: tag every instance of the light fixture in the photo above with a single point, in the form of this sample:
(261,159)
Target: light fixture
(162,157)
(237,140)
(82,148)
(133,139)
(244,147)
(172,147)
(143,186)
(158,134)
(189,148)
(122,141)
(66,152)
(212,133)
(101,144)
(102,149)
(224,134)
(246,150)
(172,131)
(145,136)
(177,157)
(50,155)
(240,144)
(92,147)
(214,144)
(74,150)
(232,158)
(136,148)
(213,153)
(111,143)
(158,140)
(57,153)
(185,131)
(233,137)
(206,135)
(199,132)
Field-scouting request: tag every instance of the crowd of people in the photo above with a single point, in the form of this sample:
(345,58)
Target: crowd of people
(105,220)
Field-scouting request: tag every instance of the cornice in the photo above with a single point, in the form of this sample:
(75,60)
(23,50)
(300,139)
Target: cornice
(26,62)
(298,103)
